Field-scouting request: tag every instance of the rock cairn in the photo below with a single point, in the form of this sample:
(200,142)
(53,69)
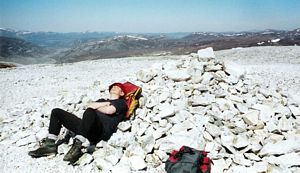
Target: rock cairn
(203,103)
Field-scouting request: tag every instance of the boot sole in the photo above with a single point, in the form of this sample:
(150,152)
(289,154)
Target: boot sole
(44,155)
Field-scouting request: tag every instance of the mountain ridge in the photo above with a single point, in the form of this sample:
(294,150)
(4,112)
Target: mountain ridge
(74,47)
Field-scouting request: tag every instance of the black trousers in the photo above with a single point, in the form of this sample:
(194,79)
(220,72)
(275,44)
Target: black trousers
(89,126)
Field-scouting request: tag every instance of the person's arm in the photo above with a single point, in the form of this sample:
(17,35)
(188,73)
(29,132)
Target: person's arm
(117,107)
(96,105)
(109,110)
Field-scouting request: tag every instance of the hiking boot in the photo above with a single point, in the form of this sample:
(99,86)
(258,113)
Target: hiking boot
(47,148)
(75,152)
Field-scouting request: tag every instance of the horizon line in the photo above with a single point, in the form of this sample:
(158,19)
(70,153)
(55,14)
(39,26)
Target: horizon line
(89,31)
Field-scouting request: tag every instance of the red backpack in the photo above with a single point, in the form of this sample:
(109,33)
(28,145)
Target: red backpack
(132,95)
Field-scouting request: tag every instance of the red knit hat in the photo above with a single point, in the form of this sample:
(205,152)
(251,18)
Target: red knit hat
(119,85)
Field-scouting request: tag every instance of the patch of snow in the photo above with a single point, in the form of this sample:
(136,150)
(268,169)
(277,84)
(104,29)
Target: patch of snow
(260,43)
(275,40)
(268,32)
(137,38)
(130,36)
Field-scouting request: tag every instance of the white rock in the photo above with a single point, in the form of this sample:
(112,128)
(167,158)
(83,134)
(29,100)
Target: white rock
(207,136)
(162,155)
(139,127)
(172,65)
(260,166)
(276,169)
(239,159)
(241,140)
(212,147)
(120,168)
(176,94)
(212,129)
(206,53)
(152,101)
(102,164)
(240,169)
(201,87)
(266,112)
(252,156)
(281,147)
(166,112)
(164,96)
(285,124)
(203,100)
(119,139)
(178,75)
(41,134)
(135,149)
(196,78)
(27,140)
(271,126)
(85,159)
(113,159)
(184,126)
(274,138)
(145,75)
(147,143)
(227,139)
(287,160)
(206,78)
(63,149)
(235,98)
(234,69)
(219,165)
(173,142)
(158,133)
(293,98)
(251,117)
(279,108)
(89,168)
(242,107)
(224,104)
(111,154)
(124,126)
(295,110)
(23,134)
(217,67)
(137,163)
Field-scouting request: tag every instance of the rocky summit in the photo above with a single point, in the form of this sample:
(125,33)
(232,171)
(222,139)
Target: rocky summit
(198,101)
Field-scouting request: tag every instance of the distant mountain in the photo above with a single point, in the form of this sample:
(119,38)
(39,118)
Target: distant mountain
(118,46)
(147,44)
(73,47)
(55,39)
(13,47)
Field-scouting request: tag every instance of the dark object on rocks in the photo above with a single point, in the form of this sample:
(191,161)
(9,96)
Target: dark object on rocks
(7,65)
(91,148)
(66,138)
(188,160)
(47,148)
(75,152)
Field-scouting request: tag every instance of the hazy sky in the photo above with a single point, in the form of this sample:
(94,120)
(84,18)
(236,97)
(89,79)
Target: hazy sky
(149,15)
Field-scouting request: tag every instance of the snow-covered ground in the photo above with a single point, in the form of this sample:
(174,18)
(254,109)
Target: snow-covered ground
(31,87)
(28,89)
(279,66)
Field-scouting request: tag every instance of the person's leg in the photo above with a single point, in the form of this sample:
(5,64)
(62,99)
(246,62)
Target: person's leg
(58,118)
(90,126)
(96,133)
(61,117)
(85,130)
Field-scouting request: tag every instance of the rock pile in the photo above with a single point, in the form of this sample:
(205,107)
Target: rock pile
(200,102)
